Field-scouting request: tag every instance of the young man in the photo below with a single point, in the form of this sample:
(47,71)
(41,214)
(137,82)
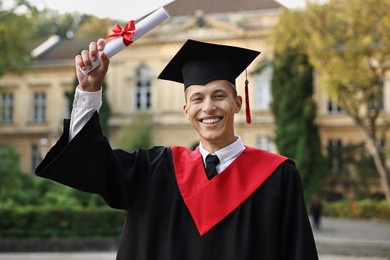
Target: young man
(244,203)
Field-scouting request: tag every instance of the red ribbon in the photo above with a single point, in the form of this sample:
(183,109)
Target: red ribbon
(127,32)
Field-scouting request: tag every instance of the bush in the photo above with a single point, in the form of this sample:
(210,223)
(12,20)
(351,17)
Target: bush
(55,222)
(364,209)
(45,209)
(34,191)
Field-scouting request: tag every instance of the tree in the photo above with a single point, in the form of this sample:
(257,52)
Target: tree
(23,24)
(94,28)
(105,111)
(13,32)
(9,168)
(348,42)
(293,107)
(137,135)
(48,22)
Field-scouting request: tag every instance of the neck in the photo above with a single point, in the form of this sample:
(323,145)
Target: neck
(212,147)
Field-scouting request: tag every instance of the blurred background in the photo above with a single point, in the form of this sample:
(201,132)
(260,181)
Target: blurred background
(319,94)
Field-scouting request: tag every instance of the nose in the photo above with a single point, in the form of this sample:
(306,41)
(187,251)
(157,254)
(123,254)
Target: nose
(208,105)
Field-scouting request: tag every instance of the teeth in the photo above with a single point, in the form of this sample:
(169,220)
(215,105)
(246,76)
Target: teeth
(210,121)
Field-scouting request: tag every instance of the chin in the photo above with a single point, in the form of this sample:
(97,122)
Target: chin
(211,137)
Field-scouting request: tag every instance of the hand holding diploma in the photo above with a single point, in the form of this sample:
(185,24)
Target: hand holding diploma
(97,58)
(94,80)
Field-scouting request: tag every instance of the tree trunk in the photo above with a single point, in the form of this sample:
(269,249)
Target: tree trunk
(380,164)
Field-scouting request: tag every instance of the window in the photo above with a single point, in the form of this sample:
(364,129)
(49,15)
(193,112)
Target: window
(265,143)
(263,88)
(382,145)
(335,153)
(333,107)
(39,107)
(377,102)
(36,156)
(143,89)
(6,108)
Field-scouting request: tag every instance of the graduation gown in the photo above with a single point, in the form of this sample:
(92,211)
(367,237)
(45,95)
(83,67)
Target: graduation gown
(180,216)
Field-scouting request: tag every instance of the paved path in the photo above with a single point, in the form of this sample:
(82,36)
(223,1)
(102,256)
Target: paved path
(354,229)
(59,256)
(354,238)
(336,240)
(111,256)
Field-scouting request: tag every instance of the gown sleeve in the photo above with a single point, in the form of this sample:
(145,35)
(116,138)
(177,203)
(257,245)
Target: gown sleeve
(88,163)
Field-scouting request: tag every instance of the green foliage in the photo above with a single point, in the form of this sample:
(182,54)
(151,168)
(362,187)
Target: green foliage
(60,222)
(22,189)
(105,111)
(23,26)
(70,94)
(364,209)
(13,52)
(288,98)
(34,191)
(297,135)
(349,44)
(32,206)
(137,135)
(9,169)
(289,33)
(93,28)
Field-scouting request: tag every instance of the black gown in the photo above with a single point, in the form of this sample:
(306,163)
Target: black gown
(271,223)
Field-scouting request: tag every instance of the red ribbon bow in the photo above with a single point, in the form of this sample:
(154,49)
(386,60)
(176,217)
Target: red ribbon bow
(127,32)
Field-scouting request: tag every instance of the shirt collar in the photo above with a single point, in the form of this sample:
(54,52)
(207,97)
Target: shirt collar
(226,153)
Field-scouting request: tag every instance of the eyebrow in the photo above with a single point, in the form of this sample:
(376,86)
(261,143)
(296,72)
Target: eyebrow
(194,95)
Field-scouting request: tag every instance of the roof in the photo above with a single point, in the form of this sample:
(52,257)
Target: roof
(65,49)
(68,48)
(188,7)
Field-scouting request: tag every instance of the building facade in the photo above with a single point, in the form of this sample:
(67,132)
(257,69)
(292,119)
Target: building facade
(33,104)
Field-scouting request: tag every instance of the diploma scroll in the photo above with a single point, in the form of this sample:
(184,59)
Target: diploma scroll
(141,28)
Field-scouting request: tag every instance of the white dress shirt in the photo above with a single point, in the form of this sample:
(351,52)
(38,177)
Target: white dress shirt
(225,155)
(84,106)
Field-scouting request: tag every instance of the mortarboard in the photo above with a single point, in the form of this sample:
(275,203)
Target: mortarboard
(197,63)
(200,62)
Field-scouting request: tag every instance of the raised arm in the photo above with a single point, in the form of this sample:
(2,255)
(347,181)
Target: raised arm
(87,99)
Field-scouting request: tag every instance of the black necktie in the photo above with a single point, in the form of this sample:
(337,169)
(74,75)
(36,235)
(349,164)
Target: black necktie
(211,162)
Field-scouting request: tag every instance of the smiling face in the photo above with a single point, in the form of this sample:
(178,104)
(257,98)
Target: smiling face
(211,108)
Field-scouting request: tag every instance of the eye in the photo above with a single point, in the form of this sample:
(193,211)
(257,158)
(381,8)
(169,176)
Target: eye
(196,99)
(219,96)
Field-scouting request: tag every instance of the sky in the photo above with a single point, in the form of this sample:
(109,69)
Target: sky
(112,8)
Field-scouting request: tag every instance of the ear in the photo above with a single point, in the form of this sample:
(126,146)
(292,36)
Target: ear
(185,110)
(238,102)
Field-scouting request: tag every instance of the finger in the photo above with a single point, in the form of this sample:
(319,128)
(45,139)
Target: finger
(93,52)
(101,43)
(85,56)
(79,62)
(104,62)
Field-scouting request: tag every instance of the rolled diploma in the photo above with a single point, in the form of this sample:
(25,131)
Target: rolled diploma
(141,28)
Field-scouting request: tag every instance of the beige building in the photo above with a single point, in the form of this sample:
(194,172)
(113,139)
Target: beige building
(34,103)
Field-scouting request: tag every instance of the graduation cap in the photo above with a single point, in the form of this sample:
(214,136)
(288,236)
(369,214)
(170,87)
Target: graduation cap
(198,63)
